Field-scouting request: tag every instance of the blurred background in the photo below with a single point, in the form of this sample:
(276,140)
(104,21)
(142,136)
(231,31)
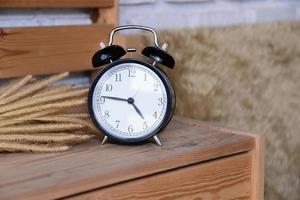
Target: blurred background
(166,14)
(238,63)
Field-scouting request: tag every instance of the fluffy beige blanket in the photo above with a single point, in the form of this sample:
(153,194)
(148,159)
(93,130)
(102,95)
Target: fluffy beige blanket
(247,77)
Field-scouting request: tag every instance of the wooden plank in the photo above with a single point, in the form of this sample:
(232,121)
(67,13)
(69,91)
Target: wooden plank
(224,179)
(258,160)
(107,15)
(90,166)
(56,3)
(44,50)
(258,167)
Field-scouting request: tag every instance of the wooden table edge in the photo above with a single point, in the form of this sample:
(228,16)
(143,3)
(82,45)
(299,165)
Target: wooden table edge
(258,155)
(253,146)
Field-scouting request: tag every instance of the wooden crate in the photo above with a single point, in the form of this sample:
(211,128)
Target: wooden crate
(198,160)
(45,50)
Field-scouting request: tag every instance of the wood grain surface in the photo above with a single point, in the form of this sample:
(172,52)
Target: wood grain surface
(258,157)
(92,166)
(56,3)
(223,179)
(44,50)
(109,15)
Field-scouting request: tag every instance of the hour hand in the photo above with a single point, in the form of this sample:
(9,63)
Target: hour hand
(115,98)
(138,111)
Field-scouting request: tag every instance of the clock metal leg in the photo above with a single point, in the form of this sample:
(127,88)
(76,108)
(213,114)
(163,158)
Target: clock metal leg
(157,141)
(104,140)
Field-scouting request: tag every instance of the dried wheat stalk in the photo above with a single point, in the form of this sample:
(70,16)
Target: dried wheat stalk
(53,91)
(34,87)
(68,119)
(62,105)
(40,128)
(45,137)
(42,100)
(31,147)
(75,115)
(23,118)
(4,87)
(36,117)
(16,86)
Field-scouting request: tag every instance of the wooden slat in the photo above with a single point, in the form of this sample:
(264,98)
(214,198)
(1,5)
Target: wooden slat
(56,3)
(224,179)
(258,168)
(258,159)
(90,166)
(107,15)
(44,50)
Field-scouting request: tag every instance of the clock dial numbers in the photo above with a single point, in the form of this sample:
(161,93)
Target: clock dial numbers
(130,101)
(160,101)
(117,123)
(155,115)
(145,125)
(155,86)
(130,128)
(108,87)
(118,77)
(131,73)
(102,100)
(106,114)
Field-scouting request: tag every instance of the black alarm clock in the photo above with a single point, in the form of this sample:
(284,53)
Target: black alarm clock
(131,100)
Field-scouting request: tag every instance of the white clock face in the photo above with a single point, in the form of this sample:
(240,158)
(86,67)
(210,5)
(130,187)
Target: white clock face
(129,101)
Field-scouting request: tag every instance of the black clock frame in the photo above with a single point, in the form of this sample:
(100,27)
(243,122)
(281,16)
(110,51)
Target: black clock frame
(171,100)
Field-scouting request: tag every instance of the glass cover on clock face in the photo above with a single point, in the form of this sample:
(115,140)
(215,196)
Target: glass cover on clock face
(129,101)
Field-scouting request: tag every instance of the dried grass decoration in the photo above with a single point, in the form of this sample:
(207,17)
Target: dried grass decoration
(38,117)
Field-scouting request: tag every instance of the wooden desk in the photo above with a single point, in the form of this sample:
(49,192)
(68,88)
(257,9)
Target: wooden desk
(198,160)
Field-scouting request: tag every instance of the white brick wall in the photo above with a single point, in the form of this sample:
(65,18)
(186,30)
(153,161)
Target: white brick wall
(191,13)
(43,17)
(166,13)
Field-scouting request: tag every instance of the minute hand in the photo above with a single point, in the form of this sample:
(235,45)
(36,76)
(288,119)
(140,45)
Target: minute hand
(115,98)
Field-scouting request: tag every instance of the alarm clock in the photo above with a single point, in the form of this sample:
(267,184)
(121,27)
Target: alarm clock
(130,100)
